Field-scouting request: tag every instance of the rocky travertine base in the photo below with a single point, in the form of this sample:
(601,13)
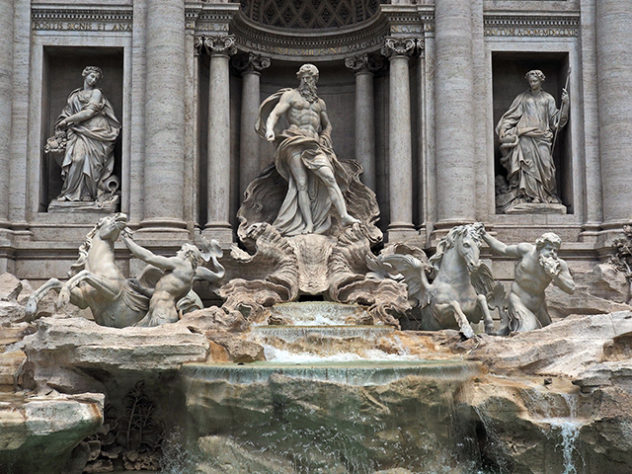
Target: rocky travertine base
(37,434)
(552,400)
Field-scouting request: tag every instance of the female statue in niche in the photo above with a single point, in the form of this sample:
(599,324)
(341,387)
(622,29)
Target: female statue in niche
(526,134)
(85,133)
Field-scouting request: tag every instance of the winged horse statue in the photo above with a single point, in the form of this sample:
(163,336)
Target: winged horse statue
(463,289)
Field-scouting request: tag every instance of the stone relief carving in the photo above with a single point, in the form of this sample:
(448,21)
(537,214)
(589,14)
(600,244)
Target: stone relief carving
(155,297)
(526,133)
(83,145)
(538,266)
(462,290)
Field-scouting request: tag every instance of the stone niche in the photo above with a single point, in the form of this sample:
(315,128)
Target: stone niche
(62,70)
(336,85)
(508,71)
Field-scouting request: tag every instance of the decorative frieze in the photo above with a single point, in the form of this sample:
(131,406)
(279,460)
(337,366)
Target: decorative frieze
(84,19)
(537,26)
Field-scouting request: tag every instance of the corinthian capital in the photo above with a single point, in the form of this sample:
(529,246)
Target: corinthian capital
(364,63)
(220,45)
(398,46)
(251,63)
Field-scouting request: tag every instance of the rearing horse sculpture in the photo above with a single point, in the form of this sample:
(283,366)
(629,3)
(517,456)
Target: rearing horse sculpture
(97,283)
(461,286)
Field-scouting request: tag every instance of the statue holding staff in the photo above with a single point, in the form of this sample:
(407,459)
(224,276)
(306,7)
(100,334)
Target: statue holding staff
(526,133)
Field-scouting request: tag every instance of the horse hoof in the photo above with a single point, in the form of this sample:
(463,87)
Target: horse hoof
(30,308)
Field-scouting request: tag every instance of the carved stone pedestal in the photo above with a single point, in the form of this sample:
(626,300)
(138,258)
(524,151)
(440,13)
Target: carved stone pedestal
(105,207)
(536,208)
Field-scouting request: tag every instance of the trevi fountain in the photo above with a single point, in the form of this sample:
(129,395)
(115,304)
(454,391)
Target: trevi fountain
(352,236)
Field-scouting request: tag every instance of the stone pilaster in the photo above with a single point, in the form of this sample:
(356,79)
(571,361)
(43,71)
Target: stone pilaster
(614,76)
(220,48)
(164,118)
(364,116)
(400,173)
(454,113)
(6,99)
(249,160)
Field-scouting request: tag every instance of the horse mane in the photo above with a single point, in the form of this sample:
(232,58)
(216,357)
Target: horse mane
(447,242)
(84,248)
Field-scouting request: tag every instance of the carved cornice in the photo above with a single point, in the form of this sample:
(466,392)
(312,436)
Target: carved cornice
(211,19)
(394,46)
(288,44)
(47,18)
(532,25)
(220,45)
(251,63)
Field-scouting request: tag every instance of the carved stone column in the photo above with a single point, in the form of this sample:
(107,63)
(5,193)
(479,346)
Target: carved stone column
(365,116)
(614,73)
(454,113)
(6,96)
(400,173)
(218,204)
(164,118)
(249,160)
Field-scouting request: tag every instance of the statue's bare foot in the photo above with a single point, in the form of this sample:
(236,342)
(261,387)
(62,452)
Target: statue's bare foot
(349,220)
(309,228)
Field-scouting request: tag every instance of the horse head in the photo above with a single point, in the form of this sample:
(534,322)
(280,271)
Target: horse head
(109,227)
(468,246)
(465,240)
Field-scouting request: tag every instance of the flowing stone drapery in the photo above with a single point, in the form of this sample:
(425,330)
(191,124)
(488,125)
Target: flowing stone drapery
(454,113)
(218,225)
(364,113)
(6,93)
(614,73)
(400,175)
(250,163)
(164,117)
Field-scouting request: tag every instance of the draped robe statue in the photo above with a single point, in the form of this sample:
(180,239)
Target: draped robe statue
(526,134)
(85,134)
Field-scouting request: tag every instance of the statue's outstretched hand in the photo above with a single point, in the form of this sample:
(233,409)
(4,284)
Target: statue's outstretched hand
(127,233)
(565,98)
(270,136)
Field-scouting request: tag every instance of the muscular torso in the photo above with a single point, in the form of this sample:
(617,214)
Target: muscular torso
(530,281)
(303,114)
(175,284)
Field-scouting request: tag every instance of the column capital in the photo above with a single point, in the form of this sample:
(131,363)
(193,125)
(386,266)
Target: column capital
(251,63)
(395,46)
(220,45)
(364,63)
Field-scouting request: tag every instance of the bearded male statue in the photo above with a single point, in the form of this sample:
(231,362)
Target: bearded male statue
(539,265)
(316,182)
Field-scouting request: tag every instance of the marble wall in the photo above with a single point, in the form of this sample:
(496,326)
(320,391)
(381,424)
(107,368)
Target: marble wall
(184,147)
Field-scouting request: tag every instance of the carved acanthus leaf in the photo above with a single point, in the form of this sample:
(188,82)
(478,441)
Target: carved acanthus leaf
(220,45)
(399,47)
(251,63)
